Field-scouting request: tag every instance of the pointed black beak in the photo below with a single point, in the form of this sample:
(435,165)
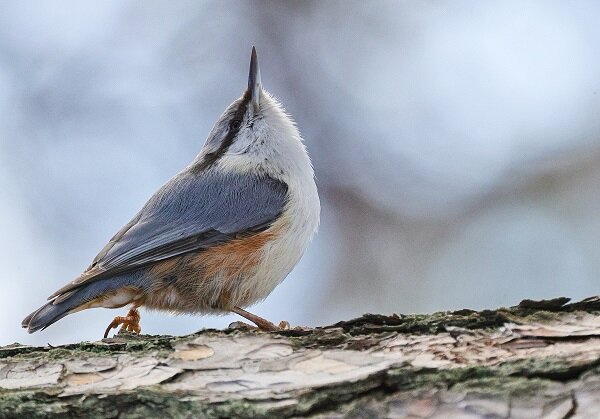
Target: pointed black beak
(254,84)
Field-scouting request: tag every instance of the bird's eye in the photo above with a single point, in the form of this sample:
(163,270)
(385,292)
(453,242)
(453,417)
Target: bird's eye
(235,124)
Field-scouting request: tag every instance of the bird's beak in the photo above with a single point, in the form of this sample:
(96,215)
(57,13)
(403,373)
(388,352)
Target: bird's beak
(254,84)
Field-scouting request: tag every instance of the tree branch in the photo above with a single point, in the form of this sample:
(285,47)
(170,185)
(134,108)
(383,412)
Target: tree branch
(538,359)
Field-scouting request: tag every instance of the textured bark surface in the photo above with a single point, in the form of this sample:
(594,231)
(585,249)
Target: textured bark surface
(538,359)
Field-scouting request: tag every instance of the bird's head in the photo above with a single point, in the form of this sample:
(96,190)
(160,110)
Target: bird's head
(255,133)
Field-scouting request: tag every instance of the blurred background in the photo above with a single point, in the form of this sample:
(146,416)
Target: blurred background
(456,145)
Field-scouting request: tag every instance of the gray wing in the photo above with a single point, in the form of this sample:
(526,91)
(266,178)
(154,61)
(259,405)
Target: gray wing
(191,212)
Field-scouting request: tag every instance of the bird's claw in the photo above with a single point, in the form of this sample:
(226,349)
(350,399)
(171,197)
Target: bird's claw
(237,325)
(130,323)
(266,325)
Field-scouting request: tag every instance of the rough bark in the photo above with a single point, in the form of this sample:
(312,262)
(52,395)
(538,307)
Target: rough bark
(538,359)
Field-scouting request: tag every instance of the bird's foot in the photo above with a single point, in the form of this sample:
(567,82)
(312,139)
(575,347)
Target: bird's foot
(237,325)
(130,323)
(262,324)
(283,325)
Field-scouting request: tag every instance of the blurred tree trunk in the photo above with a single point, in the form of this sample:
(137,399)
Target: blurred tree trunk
(538,359)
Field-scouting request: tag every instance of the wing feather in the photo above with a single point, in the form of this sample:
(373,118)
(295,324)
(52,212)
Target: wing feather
(191,212)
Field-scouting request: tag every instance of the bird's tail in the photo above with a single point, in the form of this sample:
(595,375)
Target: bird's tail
(78,299)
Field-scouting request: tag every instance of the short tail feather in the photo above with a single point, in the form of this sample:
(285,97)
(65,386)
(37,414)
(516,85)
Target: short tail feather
(53,311)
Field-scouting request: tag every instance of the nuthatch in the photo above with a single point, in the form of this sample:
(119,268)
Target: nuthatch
(217,237)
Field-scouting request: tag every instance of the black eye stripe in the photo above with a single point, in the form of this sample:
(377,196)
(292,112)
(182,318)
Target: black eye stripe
(211,158)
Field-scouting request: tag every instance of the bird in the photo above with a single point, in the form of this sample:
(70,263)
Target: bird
(217,237)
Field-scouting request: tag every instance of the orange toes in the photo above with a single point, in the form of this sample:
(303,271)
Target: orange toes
(113,325)
(132,327)
(130,323)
